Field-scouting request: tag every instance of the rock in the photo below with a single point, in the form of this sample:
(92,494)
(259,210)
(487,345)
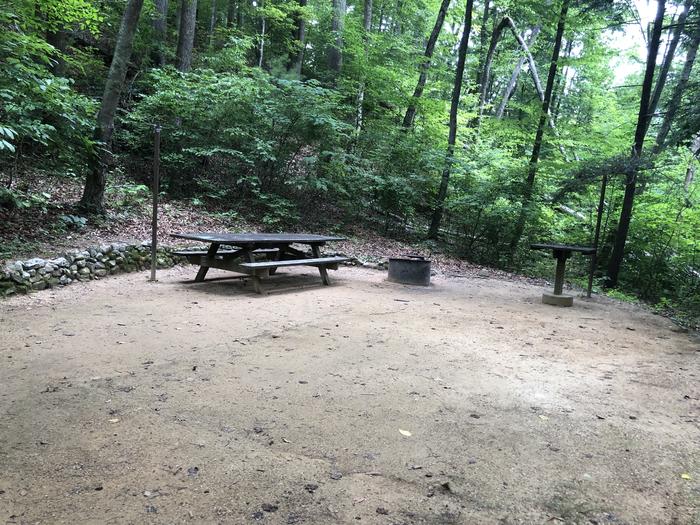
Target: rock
(310,487)
(99,266)
(33,264)
(100,272)
(84,271)
(20,276)
(80,263)
(269,507)
(39,285)
(65,280)
(106,248)
(73,268)
(111,263)
(60,262)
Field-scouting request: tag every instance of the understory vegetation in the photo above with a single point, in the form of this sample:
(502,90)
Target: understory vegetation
(475,127)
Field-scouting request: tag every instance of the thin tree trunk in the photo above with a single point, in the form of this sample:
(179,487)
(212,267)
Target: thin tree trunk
(335,52)
(615,262)
(261,50)
(185,41)
(367,26)
(668,60)
(230,13)
(690,171)
(296,61)
(675,102)
(510,87)
(508,22)
(212,23)
(483,37)
(454,109)
(539,135)
(160,30)
(425,65)
(93,193)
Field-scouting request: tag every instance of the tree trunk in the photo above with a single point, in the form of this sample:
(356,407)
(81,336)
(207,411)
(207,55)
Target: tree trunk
(230,13)
(643,118)
(675,102)
(93,193)
(261,49)
(544,117)
(483,36)
(212,23)
(690,171)
(59,40)
(429,49)
(668,59)
(296,61)
(510,87)
(454,109)
(185,41)
(335,52)
(367,26)
(160,30)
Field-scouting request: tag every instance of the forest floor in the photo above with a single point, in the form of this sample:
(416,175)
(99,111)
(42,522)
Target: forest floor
(125,401)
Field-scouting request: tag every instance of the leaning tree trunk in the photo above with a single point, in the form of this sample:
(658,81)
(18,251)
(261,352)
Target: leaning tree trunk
(510,87)
(486,75)
(93,193)
(537,146)
(185,41)
(678,91)
(335,51)
(425,65)
(454,109)
(160,30)
(668,59)
(615,261)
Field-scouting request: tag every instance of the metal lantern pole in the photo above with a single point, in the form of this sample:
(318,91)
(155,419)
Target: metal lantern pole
(599,220)
(156,186)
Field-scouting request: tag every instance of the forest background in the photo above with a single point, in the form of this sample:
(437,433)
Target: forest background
(473,127)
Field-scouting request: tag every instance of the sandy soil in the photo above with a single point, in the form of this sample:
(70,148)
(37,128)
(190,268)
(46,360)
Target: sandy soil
(123,401)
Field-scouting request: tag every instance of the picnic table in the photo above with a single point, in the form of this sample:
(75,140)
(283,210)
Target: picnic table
(561,252)
(258,255)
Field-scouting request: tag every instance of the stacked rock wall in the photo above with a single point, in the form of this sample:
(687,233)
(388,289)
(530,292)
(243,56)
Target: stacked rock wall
(80,265)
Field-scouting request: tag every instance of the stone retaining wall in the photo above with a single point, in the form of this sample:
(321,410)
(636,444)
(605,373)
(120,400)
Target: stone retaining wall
(80,265)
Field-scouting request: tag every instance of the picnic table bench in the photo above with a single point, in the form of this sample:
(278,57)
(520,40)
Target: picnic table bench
(258,255)
(561,252)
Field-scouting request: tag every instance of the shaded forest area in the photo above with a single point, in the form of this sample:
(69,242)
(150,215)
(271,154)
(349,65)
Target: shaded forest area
(474,127)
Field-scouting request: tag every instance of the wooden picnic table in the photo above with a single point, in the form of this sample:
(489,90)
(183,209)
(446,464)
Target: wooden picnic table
(258,255)
(561,252)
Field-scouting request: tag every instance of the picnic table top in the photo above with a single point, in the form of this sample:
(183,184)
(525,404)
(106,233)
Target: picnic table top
(240,239)
(586,250)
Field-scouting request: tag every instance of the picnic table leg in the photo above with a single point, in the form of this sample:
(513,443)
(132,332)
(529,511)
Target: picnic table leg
(257,284)
(321,269)
(201,274)
(560,271)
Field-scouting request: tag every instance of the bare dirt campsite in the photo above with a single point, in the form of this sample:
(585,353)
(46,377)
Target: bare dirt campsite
(124,401)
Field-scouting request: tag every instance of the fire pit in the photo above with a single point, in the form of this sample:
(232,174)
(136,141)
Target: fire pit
(411,269)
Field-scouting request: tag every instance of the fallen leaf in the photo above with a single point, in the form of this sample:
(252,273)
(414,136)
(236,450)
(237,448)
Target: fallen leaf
(114,420)
(543,417)
(687,476)
(405,433)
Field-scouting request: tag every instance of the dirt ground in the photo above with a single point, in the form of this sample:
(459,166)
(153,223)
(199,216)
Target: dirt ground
(123,401)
